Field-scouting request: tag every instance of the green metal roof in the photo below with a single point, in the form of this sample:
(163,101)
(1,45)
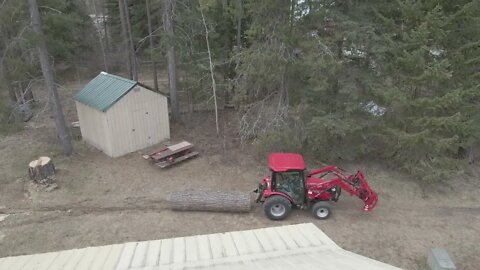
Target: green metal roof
(103,91)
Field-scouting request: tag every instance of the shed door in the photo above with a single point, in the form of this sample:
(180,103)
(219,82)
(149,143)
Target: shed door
(141,129)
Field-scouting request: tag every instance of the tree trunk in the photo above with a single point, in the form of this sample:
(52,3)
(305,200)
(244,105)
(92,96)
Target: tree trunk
(126,45)
(293,5)
(209,201)
(171,59)
(102,47)
(214,85)
(154,65)
(49,80)
(239,24)
(105,32)
(130,41)
(11,95)
(226,67)
(41,170)
(29,98)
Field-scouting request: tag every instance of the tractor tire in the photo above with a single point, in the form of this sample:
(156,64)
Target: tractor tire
(277,207)
(321,210)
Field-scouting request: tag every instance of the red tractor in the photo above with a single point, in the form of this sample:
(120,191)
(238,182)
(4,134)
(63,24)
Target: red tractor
(291,186)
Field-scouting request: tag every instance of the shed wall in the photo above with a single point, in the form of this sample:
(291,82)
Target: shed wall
(137,120)
(93,126)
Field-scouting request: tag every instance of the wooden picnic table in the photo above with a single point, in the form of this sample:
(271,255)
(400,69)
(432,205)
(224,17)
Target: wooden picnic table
(172,154)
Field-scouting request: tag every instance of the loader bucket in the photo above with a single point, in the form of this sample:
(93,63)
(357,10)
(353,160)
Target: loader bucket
(370,201)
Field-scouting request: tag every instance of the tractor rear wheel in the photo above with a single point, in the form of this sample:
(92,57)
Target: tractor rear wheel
(277,207)
(321,210)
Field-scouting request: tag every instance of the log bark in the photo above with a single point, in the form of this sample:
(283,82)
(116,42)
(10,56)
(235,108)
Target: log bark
(215,201)
(41,170)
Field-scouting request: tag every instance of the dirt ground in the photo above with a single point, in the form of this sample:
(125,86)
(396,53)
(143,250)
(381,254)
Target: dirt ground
(101,200)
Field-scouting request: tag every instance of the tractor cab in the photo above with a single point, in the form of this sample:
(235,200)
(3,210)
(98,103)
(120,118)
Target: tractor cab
(288,175)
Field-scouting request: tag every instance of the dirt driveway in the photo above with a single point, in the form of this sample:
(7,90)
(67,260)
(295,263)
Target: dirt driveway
(105,201)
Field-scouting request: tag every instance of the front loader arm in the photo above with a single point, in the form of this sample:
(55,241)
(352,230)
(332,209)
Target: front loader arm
(355,185)
(325,169)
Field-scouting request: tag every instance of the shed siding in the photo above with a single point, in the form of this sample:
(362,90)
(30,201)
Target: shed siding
(93,125)
(137,120)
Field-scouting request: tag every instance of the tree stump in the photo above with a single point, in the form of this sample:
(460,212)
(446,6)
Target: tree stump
(216,201)
(75,131)
(42,170)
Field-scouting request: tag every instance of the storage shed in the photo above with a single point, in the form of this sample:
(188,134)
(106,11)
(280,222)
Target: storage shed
(119,116)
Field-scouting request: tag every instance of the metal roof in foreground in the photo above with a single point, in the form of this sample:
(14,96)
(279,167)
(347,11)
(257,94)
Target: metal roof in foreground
(103,91)
(302,246)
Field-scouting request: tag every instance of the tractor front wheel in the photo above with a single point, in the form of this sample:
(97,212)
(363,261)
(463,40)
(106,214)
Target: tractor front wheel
(321,210)
(277,207)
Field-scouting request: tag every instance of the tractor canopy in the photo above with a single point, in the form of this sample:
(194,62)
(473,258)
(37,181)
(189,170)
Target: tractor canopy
(282,162)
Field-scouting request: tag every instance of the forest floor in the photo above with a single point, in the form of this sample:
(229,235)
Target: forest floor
(101,200)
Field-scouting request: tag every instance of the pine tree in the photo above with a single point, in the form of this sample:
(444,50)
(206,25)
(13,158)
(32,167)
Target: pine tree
(431,95)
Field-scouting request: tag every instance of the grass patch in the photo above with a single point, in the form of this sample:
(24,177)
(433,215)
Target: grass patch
(10,128)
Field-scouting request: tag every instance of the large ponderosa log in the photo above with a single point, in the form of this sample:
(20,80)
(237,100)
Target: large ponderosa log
(215,201)
(41,170)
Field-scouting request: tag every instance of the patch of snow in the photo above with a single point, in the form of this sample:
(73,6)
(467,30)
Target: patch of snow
(303,9)
(354,52)
(3,217)
(98,22)
(97,19)
(374,109)
(313,33)
(436,52)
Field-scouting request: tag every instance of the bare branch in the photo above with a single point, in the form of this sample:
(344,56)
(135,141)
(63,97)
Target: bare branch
(12,44)
(214,87)
(53,9)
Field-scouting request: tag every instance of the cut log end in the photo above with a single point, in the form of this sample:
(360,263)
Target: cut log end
(214,201)
(41,170)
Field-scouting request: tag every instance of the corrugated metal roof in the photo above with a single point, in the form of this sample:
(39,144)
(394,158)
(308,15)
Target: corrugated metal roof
(301,246)
(103,91)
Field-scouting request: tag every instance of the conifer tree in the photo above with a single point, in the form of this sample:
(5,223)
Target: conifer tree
(432,94)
